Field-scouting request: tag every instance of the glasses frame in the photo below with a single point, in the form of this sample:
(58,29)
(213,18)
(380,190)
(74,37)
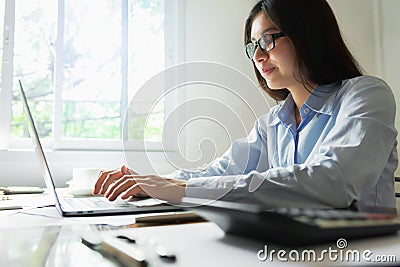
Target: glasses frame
(256,44)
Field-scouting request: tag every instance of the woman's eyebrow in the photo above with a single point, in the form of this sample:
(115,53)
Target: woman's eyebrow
(265,32)
(269,29)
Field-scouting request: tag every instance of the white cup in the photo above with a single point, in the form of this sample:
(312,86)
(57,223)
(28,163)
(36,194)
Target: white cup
(84,177)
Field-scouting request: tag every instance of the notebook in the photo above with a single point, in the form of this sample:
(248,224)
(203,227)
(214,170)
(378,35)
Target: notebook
(84,206)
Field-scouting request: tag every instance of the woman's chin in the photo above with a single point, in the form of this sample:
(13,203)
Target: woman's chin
(273,86)
(272,82)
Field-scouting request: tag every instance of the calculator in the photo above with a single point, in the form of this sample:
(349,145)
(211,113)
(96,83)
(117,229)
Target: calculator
(291,226)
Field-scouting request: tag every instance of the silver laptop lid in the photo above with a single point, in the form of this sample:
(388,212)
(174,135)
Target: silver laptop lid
(38,148)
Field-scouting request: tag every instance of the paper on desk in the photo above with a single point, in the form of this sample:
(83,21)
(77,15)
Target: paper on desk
(24,201)
(43,217)
(32,216)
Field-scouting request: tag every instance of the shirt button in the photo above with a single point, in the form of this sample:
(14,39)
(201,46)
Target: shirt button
(306,110)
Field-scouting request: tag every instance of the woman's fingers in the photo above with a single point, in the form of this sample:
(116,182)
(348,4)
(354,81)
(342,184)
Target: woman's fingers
(107,178)
(123,181)
(135,190)
(110,179)
(104,181)
(100,180)
(154,186)
(126,171)
(126,187)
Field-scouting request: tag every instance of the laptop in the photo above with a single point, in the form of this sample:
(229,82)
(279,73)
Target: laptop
(85,206)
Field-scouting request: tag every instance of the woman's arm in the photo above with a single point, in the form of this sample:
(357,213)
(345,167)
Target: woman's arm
(358,150)
(244,155)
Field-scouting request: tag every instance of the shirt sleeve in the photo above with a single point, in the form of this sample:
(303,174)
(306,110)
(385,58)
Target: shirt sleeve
(243,156)
(350,160)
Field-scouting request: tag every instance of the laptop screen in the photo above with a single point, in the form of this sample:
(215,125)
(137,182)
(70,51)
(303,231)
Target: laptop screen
(38,148)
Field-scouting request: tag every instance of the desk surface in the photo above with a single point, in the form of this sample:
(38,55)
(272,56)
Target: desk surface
(41,237)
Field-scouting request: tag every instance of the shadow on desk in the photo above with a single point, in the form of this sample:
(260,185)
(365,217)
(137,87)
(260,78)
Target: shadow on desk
(199,244)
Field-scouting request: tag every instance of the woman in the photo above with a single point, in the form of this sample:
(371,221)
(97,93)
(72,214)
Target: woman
(330,142)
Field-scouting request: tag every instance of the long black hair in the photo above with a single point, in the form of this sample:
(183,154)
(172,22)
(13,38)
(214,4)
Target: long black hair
(321,54)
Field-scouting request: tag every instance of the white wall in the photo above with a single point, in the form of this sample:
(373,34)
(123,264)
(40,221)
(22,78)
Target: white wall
(357,23)
(391,52)
(214,32)
(371,29)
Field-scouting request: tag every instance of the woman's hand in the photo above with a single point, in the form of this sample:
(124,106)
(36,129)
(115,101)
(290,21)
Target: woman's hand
(106,178)
(127,183)
(168,189)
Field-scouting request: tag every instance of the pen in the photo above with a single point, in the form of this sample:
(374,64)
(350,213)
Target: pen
(13,190)
(176,217)
(11,207)
(156,220)
(116,250)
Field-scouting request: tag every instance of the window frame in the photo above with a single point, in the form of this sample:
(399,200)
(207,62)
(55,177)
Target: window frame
(174,52)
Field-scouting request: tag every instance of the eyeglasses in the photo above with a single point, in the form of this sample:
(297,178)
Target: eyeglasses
(266,43)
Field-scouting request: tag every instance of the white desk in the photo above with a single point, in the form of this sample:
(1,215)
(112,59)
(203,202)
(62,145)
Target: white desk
(40,237)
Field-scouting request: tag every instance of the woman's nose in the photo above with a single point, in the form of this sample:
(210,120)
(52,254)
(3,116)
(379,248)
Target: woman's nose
(260,55)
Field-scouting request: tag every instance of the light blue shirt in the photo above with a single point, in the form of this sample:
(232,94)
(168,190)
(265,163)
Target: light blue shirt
(343,151)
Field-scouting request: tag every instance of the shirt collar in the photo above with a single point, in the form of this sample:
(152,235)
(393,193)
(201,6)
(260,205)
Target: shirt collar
(284,111)
(321,100)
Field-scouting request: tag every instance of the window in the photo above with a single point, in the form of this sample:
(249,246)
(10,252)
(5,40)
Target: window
(1,33)
(80,62)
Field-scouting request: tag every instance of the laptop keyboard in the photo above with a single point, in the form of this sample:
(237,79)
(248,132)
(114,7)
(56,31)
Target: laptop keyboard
(95,203)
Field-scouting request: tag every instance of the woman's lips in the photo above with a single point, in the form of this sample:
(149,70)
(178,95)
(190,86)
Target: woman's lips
(268,71)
